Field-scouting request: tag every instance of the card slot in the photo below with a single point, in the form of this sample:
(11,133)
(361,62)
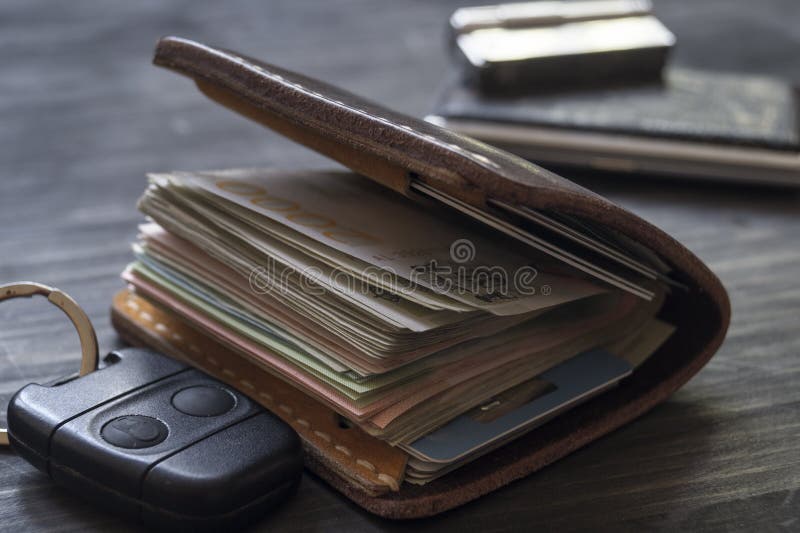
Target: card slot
(574,380)
(536,242)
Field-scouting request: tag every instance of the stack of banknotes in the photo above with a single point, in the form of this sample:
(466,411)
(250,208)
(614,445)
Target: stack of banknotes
(431,325)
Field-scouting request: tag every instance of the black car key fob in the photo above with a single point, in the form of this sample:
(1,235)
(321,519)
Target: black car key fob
(158,441)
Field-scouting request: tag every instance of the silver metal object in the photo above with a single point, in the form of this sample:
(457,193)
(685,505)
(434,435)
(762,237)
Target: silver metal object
(546,13)
(546,45)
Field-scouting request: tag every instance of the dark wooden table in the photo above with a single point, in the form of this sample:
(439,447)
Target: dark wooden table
(84,115)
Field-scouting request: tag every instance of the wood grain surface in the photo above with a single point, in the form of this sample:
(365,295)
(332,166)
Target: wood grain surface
(83,115)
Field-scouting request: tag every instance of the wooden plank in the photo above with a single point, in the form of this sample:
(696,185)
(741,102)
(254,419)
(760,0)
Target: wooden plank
(84,116)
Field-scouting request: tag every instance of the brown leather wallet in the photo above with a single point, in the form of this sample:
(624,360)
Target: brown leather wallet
(395,150)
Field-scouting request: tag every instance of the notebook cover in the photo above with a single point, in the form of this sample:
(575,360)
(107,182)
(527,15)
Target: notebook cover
(690,105)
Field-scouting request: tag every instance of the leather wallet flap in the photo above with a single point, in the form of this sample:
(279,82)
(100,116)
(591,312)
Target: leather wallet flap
(386,146)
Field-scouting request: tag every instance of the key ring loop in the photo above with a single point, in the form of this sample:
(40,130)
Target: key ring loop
(86,334)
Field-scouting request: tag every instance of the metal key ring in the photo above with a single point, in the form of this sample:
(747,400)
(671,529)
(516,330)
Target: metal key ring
(73,311)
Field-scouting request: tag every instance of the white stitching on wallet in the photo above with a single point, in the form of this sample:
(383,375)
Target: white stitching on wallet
(344,449)
(321,434)
(267,396)
(164,330)
(366,464)
(389,480)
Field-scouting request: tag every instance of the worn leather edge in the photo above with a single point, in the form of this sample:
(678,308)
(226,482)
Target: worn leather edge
(373,465)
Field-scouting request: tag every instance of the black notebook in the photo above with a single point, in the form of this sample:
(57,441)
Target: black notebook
(694,123)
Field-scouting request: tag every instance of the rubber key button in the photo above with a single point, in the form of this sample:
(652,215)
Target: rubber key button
(202,400)
(134,431)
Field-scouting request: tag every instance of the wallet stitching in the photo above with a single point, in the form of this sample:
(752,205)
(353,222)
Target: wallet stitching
(176,338)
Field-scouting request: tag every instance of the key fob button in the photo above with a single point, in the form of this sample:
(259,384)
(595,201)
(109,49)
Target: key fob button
(134,431)
(158,442)
(203,400)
